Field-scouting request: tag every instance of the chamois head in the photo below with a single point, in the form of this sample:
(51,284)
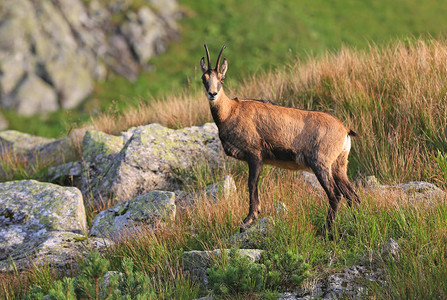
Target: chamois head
(213,78)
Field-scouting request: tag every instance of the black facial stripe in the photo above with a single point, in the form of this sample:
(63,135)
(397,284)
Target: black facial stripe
(205,83)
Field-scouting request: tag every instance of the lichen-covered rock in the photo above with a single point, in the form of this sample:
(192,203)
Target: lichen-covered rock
(391,250)
(59,249)
(45,151)
(98,153)
(30,209)
(51,51)
(225,188)
(70,170)
(149,160)
(254,235)
(19,142)
(146,211)
(196,263)
(413,191)
(33,95)
(346,284)
(3,122)
(420,190)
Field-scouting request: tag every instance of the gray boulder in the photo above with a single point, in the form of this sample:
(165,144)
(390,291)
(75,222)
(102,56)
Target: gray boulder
(29,210)
(147,211)
(391,250)
(44,151)
(20,143)
(346,284)
(59,249)
(150,160)
(52,51)
(71,171)
(413,191)
(33,95)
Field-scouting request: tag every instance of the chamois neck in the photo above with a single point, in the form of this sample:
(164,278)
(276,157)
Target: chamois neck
(221,108)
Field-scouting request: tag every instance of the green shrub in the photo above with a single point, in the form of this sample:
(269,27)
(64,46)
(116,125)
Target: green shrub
(93,283)
(287,270)
(239,275)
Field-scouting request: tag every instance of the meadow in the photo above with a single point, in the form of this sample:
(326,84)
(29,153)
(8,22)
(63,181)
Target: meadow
(394,97)
(260,36)
(363,63)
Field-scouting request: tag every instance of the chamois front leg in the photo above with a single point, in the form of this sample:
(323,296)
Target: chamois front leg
(254,171)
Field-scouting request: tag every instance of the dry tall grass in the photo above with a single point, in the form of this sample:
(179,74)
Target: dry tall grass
(362,232)
(393,96)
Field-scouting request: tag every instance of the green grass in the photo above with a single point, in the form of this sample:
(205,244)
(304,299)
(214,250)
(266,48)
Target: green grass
(359,235)
(259,35)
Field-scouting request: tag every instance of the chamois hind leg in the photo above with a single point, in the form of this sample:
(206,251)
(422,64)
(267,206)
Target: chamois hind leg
(324,175)
(254,171)
(339,173)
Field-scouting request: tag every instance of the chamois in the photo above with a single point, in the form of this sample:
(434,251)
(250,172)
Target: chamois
(262,133)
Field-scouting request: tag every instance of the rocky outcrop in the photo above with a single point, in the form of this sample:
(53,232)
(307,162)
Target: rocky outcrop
(151,159)
(51,51)
(346,284)
(147,211)
(59,249)
(35,149)
(35,217)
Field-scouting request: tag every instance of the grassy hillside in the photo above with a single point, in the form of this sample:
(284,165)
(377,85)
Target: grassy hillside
(395,97)
(260,35)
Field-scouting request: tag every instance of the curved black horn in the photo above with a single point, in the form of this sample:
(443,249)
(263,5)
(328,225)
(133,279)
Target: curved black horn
(207,56)
(218,58)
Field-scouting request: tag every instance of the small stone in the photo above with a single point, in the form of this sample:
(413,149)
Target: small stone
(311,180)
(281,208)
(391,249)
(372,182)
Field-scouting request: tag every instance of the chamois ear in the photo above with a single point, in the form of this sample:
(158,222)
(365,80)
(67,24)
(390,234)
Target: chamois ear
(224,67)
(203,65)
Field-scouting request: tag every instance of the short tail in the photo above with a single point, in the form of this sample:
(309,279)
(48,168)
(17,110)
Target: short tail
(352,133)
